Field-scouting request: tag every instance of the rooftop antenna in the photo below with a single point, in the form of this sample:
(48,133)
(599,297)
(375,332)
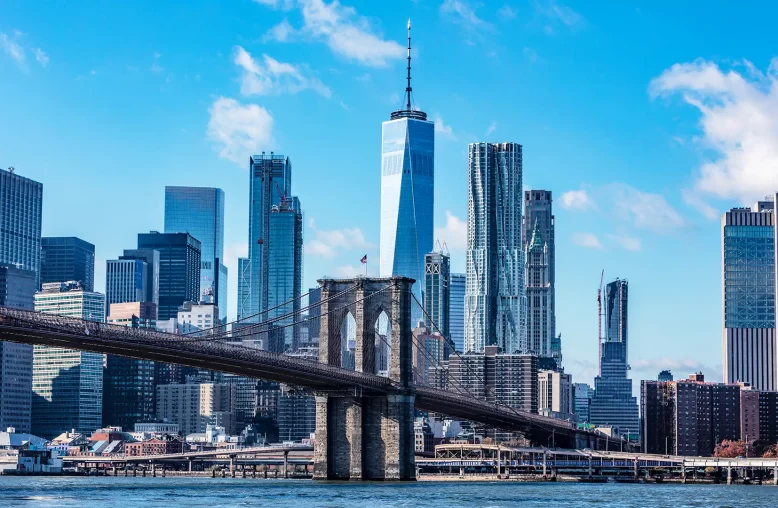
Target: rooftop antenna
(12,169)
(408,88)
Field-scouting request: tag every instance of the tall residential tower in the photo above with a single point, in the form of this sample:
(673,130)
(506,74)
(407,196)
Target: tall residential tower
(495,302)
(748,247)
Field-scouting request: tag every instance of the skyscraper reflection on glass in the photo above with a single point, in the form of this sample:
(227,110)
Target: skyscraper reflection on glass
(199,211)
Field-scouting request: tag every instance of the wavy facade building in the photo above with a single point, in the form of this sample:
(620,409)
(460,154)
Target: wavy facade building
(495,300)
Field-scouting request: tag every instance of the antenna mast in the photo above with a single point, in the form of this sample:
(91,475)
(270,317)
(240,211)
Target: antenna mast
(408,88)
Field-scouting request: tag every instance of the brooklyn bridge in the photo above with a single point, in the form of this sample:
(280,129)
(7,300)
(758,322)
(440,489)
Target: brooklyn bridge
(364,420)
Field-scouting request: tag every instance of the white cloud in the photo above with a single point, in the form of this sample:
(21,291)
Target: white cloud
(557,13)
(329,243)
(453,233)
(627,242)
(577,200)
(345,32)
(351,271)
(274,77)
(155,67)
(645,210)
(239,130)
(588,240)
(442,129)
(694,199)
(41,56)
(463,13)
(12,48)
(506,12)
(281,32)
(739,123)
(492,128)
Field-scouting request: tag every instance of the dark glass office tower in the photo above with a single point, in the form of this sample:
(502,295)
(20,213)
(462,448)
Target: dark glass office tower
(199,211)
(179,269)
(68,258)
(17,288)
(21,203)
(270,183)
(613,403)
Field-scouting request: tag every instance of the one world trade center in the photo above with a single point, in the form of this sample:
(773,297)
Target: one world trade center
(407,191)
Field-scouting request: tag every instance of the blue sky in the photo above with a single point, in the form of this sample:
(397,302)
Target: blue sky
(646,119)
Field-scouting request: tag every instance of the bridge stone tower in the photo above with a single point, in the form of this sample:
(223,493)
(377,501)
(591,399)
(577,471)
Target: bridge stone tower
(363,436)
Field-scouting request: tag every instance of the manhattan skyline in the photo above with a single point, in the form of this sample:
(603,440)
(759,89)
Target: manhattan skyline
(604,126)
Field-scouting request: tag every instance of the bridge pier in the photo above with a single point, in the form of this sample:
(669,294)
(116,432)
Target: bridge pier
(729,473)
(775,474)
(370,436)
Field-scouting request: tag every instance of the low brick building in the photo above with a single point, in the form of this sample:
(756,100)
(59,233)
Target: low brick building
(155,446)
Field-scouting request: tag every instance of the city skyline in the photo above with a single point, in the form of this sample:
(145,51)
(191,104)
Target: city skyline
(591,184)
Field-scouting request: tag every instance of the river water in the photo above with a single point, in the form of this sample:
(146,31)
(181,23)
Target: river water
(121,492)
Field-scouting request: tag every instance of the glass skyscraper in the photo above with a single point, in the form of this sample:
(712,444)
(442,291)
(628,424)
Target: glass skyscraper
(457,310)
(68,258)
(21,202)
(285,268)
(407,192)
(495,301)
(539,246)
(613,403)
(270,183)
(437,293)
(17,288)
(244,288)
(749,337)
(125,281)
(179,269)
(199,211)
(67,384)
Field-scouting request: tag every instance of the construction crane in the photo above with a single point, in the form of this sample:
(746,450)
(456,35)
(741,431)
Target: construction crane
(281,195)
(599,322)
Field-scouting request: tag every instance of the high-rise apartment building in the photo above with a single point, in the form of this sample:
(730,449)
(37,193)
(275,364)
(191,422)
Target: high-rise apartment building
(613,403)
(179,269)
(68,258)
(407,192)
(244,288)
(199,211)
(67,384)
(690,417)
(508,379)
(193,406)
(21,201)
(457,310)
(495,301)
(129,384)
(285,269)
(17,288)
(540,317)
(538,224)
(555,393)
(270,182)
(748,247)
(437,292)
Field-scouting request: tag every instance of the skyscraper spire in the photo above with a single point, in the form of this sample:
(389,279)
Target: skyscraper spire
(408,88)
(408,111)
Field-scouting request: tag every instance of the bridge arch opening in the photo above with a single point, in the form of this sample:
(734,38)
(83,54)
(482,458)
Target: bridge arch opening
(348,336)
(383,343)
